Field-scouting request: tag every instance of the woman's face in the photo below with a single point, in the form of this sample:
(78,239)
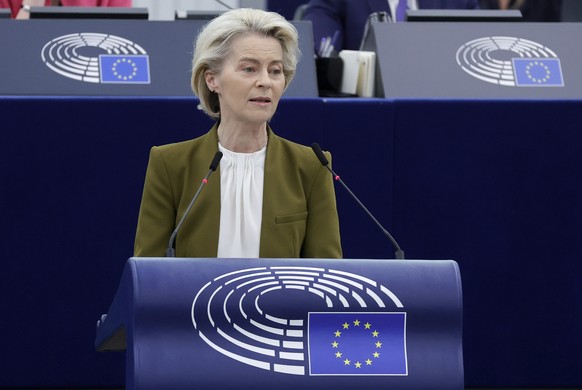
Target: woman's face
(251,82)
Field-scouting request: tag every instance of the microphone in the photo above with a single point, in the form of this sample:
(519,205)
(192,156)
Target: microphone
(224,4)
(374,17)
(170,251)
(399,254)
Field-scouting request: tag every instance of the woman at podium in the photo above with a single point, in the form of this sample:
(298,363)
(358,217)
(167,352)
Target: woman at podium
(269,197)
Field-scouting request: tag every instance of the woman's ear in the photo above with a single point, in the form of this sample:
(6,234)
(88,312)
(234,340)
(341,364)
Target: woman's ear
(210,81)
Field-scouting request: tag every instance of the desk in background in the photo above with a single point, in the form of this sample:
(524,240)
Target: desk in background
(426,60)
(73,57)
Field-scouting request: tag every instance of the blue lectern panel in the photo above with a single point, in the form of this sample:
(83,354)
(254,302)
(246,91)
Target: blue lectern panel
(289,323)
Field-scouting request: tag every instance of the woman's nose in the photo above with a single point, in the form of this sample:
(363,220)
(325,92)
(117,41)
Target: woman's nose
(264,80)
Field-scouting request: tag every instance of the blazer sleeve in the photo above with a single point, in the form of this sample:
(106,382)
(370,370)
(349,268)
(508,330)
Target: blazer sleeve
(157,212)
(322,234)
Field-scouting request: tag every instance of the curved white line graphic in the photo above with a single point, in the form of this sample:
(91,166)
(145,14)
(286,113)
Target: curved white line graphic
(475,57)
(231,317)
(62,54)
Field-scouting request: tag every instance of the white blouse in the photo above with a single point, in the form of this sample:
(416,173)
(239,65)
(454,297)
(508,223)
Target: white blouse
(241,203)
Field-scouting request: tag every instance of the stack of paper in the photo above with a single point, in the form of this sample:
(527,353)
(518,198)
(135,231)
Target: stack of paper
(359,72)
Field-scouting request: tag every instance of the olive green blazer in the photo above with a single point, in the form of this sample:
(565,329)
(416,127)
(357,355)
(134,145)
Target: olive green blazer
(299,207)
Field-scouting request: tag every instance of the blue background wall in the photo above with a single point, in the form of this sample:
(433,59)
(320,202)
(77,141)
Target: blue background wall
(495,186)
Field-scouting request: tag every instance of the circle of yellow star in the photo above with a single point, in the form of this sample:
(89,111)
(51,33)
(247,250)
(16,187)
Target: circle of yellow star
(120,76)
(544,69)
(346,327)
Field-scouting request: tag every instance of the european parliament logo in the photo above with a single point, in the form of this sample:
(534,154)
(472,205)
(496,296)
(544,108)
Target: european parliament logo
(341,323)
(97,58)
(357,344)
(511,62)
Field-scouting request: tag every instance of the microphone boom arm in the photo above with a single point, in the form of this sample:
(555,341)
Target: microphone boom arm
(170,251)
(399,253)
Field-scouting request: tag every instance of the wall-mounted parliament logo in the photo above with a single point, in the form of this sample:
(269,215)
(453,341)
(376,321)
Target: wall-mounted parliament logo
(97,58)
(511,61)
(303,321)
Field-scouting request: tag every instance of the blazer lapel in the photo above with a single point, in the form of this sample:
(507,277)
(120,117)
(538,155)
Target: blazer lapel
(272,176)
(208,203)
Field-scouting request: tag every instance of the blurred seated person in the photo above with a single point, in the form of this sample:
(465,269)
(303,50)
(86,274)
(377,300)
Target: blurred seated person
(349,17)
(21,8)
(532,10)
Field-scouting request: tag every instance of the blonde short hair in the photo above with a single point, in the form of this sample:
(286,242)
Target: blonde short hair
(214,44)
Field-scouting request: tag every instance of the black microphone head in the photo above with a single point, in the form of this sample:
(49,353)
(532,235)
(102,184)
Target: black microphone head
(319,153)
(215,161)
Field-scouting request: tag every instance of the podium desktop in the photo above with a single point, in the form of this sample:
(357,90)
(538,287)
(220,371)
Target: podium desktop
(89,13)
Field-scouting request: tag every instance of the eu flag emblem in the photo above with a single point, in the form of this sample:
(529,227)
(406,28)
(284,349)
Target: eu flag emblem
(538,72)
(357,344)
(124,69)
